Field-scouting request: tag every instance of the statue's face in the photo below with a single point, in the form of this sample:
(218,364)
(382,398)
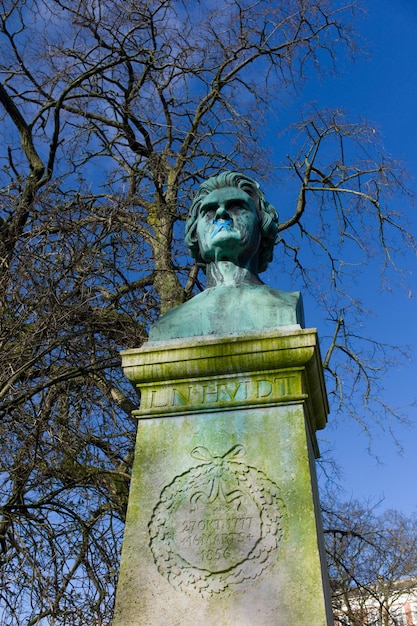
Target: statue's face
(228,227)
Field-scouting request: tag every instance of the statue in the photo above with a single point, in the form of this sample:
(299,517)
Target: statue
(231,231)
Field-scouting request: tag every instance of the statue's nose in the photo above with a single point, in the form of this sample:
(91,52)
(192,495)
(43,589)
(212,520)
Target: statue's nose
(221,213)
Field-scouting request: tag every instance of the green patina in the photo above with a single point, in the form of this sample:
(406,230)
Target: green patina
(231,231)
(227,310)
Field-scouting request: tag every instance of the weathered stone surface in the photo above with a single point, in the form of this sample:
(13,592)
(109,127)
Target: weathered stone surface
(222,524)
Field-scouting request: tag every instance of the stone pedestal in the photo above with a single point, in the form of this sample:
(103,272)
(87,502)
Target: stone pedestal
(223,525)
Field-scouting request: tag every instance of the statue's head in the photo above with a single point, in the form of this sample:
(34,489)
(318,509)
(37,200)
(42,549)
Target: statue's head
(209,214)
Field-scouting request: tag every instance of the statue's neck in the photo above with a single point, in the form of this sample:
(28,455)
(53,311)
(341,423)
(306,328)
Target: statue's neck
(228,274)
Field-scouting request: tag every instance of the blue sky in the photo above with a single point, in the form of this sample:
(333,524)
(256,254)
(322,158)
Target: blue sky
(382,87)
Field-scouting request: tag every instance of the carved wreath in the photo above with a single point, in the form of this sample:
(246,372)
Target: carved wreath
(221,481)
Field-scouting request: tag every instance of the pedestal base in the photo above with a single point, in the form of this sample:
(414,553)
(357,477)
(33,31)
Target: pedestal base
(223,526)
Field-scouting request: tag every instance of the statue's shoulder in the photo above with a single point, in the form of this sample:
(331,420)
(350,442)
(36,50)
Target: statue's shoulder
(185,320)
(273,307)
(230,310)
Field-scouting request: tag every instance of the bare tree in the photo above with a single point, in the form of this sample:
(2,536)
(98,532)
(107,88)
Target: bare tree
(372,563)
(347,214)
(112,112)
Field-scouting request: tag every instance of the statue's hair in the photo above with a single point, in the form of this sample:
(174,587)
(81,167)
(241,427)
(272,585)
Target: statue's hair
(267,214)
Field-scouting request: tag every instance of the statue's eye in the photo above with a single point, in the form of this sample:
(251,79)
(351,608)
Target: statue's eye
(207,211)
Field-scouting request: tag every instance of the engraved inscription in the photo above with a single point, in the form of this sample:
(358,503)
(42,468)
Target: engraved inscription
(217,392)
(218,524)
(217,535)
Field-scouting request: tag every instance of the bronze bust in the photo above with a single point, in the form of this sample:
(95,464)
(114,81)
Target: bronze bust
(231,231)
